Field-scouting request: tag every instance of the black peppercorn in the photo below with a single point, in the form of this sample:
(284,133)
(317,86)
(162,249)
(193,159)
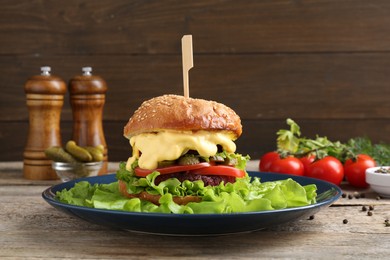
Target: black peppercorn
(364,208)
(369,213)
(371,207)
(345,221)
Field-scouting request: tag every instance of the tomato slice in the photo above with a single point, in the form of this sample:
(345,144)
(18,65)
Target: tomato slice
(170,169)
(199,168)
(220,170)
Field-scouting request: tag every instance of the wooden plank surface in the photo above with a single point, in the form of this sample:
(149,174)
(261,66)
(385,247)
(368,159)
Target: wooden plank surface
(325,64)
(259,136)
(47,234)
(258,87)
(30,228)
(90,27)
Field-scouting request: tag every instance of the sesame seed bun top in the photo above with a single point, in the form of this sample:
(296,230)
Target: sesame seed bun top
(178,113)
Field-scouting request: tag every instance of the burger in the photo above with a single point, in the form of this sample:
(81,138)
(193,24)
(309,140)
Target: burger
(184,161)
(184,141)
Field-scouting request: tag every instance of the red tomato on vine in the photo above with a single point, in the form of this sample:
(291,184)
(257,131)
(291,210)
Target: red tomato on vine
(266,161)
(272,162)
(288,165)
(307,160)
(328,169)
(355,170)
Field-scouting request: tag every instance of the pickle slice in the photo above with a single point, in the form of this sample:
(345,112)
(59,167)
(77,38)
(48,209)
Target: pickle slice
(78,152)
(96,152)
(58,154)
(188,159)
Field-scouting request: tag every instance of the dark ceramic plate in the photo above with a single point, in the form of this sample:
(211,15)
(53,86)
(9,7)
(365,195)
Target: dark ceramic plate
(196,224)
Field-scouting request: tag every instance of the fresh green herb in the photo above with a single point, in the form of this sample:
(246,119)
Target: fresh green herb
(290,142)
(379,152)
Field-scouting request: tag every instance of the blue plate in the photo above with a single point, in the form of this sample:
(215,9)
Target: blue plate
(196,224)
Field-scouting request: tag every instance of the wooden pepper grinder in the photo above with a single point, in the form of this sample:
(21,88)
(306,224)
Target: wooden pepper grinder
(45,98)
(87,98)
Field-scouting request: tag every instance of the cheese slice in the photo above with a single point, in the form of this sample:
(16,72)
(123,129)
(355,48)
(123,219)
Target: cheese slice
(151,148)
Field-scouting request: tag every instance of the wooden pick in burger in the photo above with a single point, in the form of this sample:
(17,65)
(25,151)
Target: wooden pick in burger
(188,62)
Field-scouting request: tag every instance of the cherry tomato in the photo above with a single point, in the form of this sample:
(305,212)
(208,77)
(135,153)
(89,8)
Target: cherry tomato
(289,165)
(266,161)
(328,169)
(355,170)
(220,170)
(170,169)
(307,160)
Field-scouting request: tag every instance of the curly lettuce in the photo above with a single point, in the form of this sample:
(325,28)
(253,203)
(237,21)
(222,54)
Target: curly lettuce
(245,195)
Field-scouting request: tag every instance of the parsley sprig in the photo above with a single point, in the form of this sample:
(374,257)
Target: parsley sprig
(290,142)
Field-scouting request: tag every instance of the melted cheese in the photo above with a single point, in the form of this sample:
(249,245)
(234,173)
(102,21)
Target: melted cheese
(151,148)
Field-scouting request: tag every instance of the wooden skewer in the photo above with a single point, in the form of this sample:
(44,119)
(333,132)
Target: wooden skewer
(188,63)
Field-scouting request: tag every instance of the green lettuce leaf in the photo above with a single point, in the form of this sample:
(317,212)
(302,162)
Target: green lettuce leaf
(244,195)
(80,195)
(240,160)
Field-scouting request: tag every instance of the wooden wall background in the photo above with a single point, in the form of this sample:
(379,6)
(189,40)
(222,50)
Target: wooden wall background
(326,64)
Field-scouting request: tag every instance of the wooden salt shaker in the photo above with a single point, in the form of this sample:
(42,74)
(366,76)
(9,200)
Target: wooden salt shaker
(45,98)
(87,98)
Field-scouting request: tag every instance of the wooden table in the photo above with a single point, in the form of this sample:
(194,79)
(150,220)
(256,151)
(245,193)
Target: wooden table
(30,228)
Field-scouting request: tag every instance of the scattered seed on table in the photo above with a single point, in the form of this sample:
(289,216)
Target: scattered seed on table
(311,217)
(345,221)
(343,195)
(350,196)
(371,207)
(369,213)
(364,208)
